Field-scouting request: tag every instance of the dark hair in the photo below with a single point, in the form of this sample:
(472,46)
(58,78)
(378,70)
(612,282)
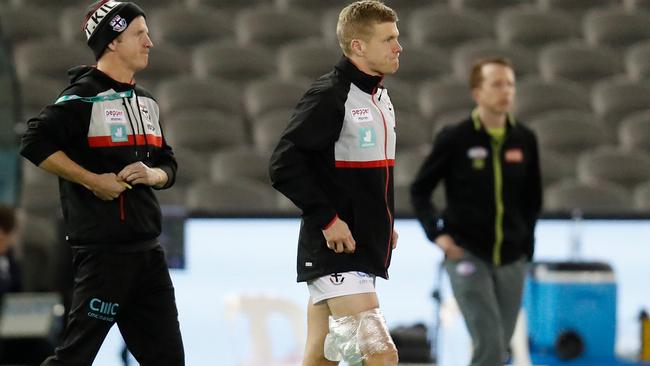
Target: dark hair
(7,219)
(476,76)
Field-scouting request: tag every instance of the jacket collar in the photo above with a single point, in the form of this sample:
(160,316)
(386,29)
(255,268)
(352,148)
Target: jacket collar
(76,73)
(365,82)
(476,120)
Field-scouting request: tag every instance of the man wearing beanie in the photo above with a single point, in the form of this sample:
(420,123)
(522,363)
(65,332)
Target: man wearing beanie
(103,139)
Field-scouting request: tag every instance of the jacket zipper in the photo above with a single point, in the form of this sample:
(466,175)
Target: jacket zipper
(390,215)
(498,200)
(122,213)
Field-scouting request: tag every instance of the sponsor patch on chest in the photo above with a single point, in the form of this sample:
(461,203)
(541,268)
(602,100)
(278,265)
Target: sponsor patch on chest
(515,155)
(360,115)
(367,137)
(114,115)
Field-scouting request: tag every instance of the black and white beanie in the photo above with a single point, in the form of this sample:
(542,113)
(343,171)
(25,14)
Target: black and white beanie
(107,22)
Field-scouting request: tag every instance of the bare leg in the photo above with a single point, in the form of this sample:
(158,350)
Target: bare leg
(317,329)
(355,304)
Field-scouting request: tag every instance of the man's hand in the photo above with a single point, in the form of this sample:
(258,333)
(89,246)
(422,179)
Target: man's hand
(139,173)
(106,186)
(449,246)
(395,236)
(339,238)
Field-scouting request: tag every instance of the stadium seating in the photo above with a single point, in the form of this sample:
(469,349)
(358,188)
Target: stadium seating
(271,28)
(422,62)
(637,61)
(229,61)
(590,198)
(239,162)
(266,95)
(178,94)
(411,131)
(624,168)
(266,129)
(187,27)
(533,28)
(234,197)
(309,59)
(536,96)
(615,28)
(577,61)
(50,59)
(205,130)
(615,99)
(465,55)
(20,24)
(444,27)
(568,132)
(555,167)
(444,95)
(634,132)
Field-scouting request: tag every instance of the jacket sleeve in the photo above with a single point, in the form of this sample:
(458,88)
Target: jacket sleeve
(533,193)
(313,128)
(50,131)
(432,171)
(167,162)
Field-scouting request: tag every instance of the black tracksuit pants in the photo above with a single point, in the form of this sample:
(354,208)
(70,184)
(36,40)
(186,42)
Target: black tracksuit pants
(131,289)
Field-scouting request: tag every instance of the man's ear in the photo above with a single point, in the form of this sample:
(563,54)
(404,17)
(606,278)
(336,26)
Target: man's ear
(111,46)
(357,47)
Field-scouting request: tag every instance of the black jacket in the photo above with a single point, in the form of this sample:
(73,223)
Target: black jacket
(493,193)
(103,125)
(336,157)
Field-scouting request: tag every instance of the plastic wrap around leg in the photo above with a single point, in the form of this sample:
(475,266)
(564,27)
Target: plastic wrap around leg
(355,338)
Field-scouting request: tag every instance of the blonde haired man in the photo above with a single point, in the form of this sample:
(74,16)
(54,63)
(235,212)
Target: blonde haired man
(335,162)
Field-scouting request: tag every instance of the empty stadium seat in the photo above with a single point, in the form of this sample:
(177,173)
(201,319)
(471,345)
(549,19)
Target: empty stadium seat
(615,28)
(240,162)
(232,62)
(576,7)
(408,163)
(204,130)
(271,27)
(187,93)
(636,4)
(307,59)
(186,27)
(595,198)
(49,5)
(192,164)
(401,96)
(445,95)
(165,61)
(568,132)
(634,132)
(536,96)
(555,167)
(626,169)
(615,99)
(483,6)
(411,130)
(50,58)
(266,129)
(444,27)
(311,5)
(20,24)
(465,55)
(266,95)
(641,195)
(637,61)
(577,62)
(421,63)
(70,24)
(533,28)
(36,93)
(232,197)
(229,6)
